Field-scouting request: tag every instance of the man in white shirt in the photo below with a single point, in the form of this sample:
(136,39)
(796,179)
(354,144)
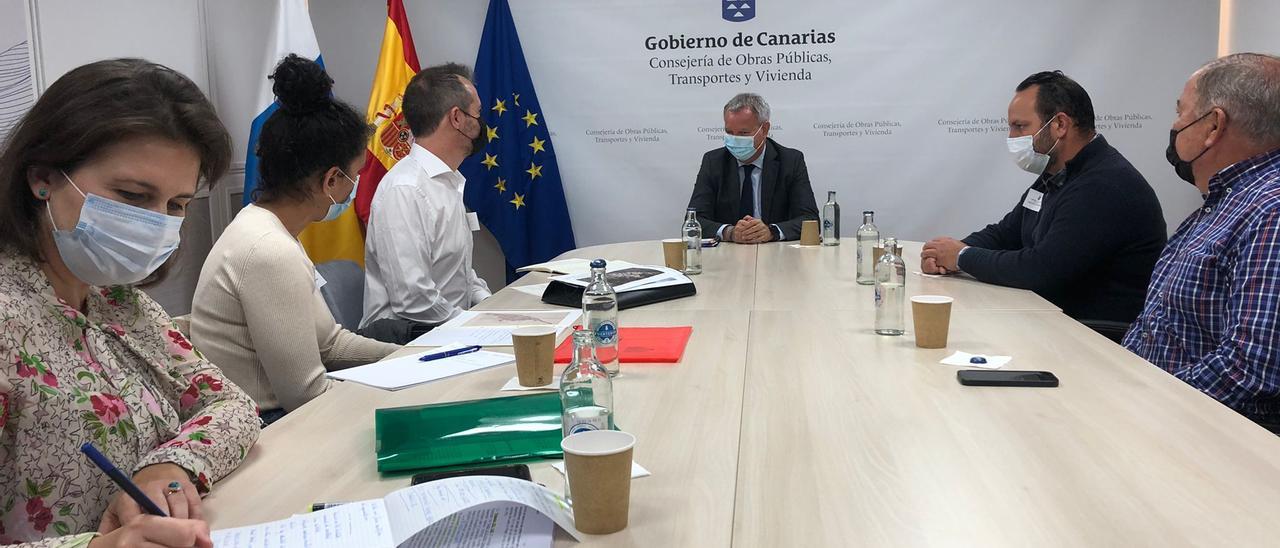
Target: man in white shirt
(418,244)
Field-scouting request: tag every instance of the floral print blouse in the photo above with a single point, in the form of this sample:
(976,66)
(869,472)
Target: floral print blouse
(121,376)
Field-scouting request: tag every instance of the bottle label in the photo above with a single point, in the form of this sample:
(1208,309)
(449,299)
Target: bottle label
(606,333)
(585,419)
(878,296)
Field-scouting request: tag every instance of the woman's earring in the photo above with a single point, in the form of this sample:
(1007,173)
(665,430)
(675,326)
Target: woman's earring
(44,193)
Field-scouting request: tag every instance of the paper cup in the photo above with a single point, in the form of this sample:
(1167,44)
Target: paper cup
(932,316)
(809,233)
(673,251)
(535,354)
(598,464)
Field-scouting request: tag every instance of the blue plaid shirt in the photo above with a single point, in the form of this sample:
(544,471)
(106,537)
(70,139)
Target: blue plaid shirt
(1212,314)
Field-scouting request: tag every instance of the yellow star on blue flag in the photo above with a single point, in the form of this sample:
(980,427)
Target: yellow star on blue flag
(534,225)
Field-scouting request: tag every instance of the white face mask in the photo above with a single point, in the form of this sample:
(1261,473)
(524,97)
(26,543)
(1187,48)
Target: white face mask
(115,243)
(1024,152)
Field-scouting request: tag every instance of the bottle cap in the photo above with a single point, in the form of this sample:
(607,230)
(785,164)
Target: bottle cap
(598,263)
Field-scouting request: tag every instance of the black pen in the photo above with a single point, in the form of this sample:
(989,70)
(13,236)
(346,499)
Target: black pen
(122,480)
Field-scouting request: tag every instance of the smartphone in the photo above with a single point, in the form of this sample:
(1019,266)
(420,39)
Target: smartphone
(710,242)
(987,377)
(520,471)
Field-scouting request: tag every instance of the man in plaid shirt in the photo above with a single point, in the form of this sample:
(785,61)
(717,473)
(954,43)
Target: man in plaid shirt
(1212,314)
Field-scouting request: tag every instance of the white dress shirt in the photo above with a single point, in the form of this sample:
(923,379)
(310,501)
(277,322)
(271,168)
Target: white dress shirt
(418,245)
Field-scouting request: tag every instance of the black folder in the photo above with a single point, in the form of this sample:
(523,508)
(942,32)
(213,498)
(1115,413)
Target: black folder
(563,294)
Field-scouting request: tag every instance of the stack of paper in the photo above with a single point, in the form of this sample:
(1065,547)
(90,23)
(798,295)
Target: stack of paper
(398,373)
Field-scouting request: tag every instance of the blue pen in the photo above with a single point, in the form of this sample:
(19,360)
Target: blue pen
(122,480)
(449,353)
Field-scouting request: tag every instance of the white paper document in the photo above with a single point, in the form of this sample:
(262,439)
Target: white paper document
(406,371)
(963,359)
(480,511)
(494,327)
(513,385)
(637,471)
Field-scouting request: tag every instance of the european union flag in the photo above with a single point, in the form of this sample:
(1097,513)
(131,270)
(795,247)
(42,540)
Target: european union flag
(514,185)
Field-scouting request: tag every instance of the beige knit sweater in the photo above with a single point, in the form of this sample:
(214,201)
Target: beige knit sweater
(259,316)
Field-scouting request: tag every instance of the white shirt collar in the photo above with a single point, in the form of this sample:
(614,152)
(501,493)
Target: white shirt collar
(433,166)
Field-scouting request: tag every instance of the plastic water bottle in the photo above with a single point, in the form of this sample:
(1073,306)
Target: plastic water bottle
(600,316)
(891,291)
(586,391)
(692,243)
(868,238)
(831,220)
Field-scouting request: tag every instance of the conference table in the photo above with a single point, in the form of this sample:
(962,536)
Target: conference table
(789,422)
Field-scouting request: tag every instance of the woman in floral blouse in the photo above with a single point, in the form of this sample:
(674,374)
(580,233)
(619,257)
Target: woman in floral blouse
(94,183)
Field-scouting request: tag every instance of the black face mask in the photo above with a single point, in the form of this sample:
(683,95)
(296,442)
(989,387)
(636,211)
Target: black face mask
(1180,166)
(477,142)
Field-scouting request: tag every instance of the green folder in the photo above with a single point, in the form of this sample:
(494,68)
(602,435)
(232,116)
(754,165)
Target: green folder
(468,433)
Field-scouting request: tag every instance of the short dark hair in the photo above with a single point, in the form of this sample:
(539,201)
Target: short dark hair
(432,93)
(89,108)
(1059,93)
(310,132)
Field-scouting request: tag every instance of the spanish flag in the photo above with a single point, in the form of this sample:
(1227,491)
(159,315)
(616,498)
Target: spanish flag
(397,63)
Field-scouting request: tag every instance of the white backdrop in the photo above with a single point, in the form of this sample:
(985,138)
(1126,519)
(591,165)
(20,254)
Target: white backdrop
(903,113)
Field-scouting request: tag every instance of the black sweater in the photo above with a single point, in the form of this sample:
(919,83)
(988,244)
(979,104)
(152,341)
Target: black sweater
(1091,247)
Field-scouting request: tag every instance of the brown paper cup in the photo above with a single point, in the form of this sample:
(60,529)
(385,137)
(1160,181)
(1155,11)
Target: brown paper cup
(876,253)
(535,354)
(809,233)
(598,464)
(932,316)
(673,251)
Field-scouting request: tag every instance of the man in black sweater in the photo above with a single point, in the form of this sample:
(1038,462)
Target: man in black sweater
(1086,235)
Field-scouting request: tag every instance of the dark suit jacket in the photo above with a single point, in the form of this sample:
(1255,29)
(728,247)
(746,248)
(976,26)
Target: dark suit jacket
(786,199)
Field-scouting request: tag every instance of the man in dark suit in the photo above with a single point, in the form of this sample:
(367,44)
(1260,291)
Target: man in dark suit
(752,190)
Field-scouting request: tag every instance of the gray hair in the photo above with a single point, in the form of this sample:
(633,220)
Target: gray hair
(1247,87)
(756,103)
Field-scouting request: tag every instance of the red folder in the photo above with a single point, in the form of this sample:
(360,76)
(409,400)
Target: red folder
(641,345)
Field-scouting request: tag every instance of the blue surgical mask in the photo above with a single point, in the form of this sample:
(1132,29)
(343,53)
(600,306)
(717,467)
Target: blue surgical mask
(337,208)
(115,243)
(742,147)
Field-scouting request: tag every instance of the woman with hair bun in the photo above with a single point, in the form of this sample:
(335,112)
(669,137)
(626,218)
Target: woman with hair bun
(258,312)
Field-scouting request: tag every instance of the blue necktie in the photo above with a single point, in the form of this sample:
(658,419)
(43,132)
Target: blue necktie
(747,204)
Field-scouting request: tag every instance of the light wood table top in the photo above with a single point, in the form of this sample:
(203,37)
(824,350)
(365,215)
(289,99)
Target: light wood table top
(790,423)
(854,439)
(686,425)
(793,277)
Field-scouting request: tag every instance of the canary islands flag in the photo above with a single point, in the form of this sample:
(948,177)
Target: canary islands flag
(339,239)
(514,184)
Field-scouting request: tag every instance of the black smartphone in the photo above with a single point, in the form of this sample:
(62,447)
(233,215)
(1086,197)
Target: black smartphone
(987,377)
(520,471)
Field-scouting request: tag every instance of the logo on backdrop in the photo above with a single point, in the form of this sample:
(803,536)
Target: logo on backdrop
(737,11)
